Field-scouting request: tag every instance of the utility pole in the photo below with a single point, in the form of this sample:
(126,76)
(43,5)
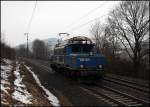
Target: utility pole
(27,44)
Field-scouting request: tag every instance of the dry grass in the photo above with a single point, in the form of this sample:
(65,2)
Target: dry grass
(38,94)
(7,98)
(39,97)
(62,98)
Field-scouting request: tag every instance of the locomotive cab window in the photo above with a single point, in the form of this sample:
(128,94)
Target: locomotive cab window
(87,48)
(82,48)
(76,49)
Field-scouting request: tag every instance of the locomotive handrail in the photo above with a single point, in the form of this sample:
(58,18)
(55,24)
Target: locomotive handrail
(75,40)
(79,39)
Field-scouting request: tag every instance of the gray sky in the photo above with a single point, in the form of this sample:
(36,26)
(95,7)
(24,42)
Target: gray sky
(50,18)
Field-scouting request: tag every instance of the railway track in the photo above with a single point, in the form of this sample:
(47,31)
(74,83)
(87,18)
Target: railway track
(127,83)
(129,80)
(114,97)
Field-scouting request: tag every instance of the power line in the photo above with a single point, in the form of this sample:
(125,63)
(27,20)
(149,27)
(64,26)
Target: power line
(77,27)
(32,16)
(91,11)
(27,52)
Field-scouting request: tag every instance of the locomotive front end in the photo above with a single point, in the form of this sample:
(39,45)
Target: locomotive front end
(76,58)
(88,65)
(83,61)
(91,65)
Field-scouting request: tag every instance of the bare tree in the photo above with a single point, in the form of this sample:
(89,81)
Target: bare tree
(105,43)
(47,50)
(6,50)
(112,40)
(129,23)
(39,49)
(96,32)
(21,51)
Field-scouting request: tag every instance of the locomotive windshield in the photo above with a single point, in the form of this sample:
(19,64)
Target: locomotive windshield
(82,48)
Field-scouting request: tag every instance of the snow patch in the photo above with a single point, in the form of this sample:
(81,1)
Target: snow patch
(7,61)
(53,100)
(21,93)
(18,81)
(6,103)
(4,89)
(24,98)
(5,82)
(6,69)
(5,73)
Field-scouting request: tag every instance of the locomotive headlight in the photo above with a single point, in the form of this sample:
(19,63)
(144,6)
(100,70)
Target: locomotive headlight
(81,66)
(100,66)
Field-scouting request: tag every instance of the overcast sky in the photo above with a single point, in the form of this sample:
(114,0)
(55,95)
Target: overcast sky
(50,18)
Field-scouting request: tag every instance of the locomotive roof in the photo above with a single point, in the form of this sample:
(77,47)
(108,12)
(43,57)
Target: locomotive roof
(79,38)
(75,40)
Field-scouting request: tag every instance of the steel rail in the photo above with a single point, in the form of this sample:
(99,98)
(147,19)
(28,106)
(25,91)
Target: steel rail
(127,95)
(127,84)
(128,81)
(117,97)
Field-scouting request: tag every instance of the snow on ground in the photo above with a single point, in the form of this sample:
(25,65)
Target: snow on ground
(21,93)
(20,90)
(5,73)
(53,100)
(7,61)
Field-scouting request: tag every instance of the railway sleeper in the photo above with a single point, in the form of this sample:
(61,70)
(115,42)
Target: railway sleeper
(136,105)
(133,102)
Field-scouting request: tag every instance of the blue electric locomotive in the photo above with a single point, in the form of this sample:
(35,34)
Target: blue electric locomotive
(76,57)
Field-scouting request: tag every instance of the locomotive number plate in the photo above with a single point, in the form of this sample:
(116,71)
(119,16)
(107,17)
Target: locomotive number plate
(84,59)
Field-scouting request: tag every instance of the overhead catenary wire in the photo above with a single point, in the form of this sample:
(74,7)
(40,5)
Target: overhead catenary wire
(88,13)
(30,21)
(78,27)
(28,27)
